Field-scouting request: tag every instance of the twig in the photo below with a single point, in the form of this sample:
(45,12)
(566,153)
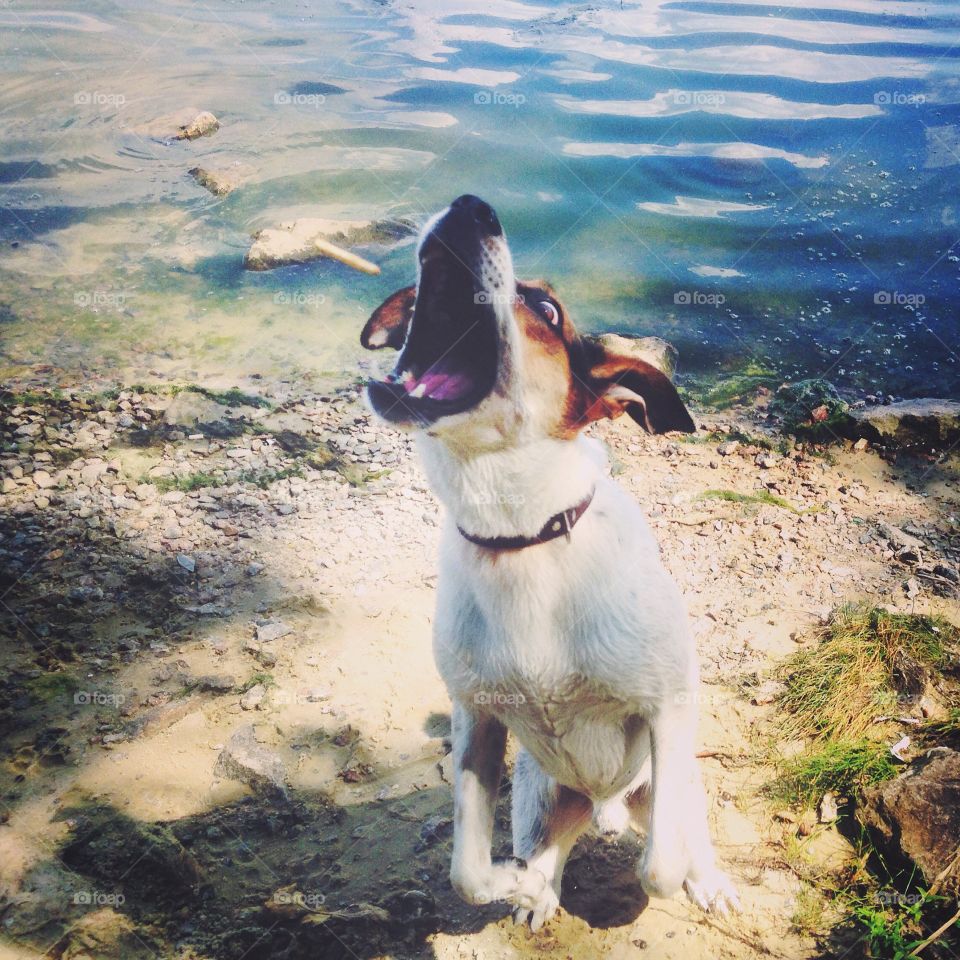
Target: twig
(939,932)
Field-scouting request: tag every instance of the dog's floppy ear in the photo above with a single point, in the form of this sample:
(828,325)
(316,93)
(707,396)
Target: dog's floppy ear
(615,379)
(387,326)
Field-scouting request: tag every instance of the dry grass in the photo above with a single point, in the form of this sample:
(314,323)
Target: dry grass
(867,663)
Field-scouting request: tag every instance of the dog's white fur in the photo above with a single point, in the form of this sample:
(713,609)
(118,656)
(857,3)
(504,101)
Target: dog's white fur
(581,649)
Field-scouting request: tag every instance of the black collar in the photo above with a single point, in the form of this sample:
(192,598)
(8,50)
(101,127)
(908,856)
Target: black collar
(559,525)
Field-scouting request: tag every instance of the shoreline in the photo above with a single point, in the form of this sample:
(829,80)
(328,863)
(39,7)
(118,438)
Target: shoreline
(252,599)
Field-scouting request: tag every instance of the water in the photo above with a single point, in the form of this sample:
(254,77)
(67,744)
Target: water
(768,186)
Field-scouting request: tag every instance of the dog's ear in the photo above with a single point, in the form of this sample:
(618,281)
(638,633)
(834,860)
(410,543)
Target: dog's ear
(387,326)
(613,379)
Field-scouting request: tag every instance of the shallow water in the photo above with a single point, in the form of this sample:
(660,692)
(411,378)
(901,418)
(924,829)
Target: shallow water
(774,185)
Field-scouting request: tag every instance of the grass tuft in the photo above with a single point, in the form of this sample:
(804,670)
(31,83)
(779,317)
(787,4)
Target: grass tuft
(842,767)
(868,662)
(760,497)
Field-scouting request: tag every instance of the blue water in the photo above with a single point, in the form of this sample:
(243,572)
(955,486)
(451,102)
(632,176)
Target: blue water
(766,185)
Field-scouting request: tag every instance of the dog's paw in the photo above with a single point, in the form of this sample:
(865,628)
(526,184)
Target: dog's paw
(507,881)
(713,892)
(611,818)
(543,910)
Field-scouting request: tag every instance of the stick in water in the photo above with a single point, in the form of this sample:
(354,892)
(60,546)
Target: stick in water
(345,256)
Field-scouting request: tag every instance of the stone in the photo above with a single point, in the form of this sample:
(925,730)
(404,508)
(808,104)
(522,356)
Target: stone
(245,760)
(204,124)
(188,408)
(916,817)
(263,656)
(808,404)
(187,562)
(268,630)
(43,479)
(252,699)
(926,423)
(9,485)
(293,242)
(104,934)
(827,811)
(728,447)
(218,182)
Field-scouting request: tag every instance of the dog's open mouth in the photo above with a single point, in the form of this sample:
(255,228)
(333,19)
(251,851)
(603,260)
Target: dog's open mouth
(450,358)
(444,368)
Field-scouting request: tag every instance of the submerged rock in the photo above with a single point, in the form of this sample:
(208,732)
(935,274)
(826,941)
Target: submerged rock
(810,405)
(202,125)
(218,182)
(917,423)
(292,243)
(917,816)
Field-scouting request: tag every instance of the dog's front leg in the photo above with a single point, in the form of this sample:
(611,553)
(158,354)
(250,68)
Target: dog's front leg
(679,850)
(479,741)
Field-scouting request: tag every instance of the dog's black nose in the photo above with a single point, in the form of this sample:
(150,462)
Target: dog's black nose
(482,213)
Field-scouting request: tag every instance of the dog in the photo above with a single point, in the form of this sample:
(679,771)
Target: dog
(555,619)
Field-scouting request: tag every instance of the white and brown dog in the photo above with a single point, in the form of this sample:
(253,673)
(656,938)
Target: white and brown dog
(555,618)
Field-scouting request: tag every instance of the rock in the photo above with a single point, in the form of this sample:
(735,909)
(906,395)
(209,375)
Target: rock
(202,125)
(43,479)
(263,656)
(827,811)
(188,563)
(728,447)
(9,485)
(245,760)
(766,461)
(292,243)
(214,683)
(188,409)
(218,182)
(105,935)
(897,538)
(92,473)
(917,816)
(252,699)
(653,350)
(808,404)
(861,445)
(268,630)
(925,423)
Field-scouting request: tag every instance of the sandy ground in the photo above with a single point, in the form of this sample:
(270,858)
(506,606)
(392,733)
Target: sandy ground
(121,836)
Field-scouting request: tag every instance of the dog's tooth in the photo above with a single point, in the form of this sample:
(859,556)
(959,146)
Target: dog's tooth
(418,391)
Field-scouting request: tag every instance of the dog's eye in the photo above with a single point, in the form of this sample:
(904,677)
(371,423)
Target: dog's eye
(550,313)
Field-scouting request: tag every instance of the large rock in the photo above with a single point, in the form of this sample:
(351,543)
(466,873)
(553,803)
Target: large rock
(246,760)
(292,243)
(917,816)
(809,405)
(653,350)
(918,423)
(187,409)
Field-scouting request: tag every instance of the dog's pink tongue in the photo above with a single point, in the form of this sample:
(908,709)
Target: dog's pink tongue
(439,385)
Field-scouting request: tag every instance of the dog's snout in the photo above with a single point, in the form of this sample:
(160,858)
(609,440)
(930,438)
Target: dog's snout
(480,211)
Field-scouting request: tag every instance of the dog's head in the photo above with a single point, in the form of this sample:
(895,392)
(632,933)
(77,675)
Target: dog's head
(488,359)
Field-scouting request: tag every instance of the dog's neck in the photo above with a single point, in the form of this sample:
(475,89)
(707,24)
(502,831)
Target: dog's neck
(511,492)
